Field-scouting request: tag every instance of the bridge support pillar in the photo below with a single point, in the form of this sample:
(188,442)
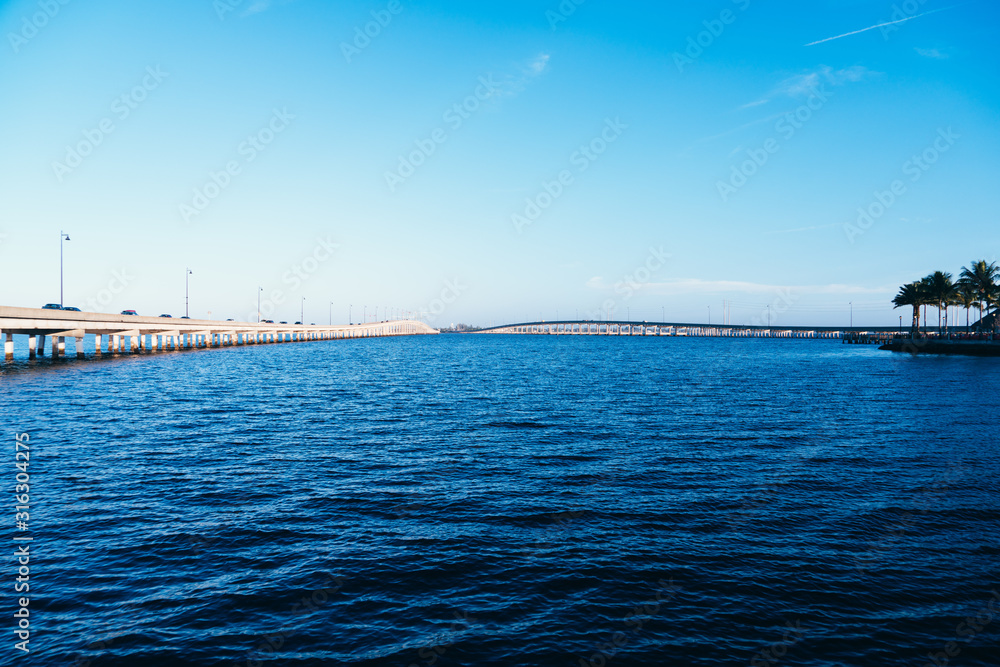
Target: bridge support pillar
(79,347)
(32,346)
(98,342)
(8,348)
(62,346)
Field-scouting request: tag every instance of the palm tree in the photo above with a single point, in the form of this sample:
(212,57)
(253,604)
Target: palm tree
(940,292)
(912,295)
(965,297)
(982,278)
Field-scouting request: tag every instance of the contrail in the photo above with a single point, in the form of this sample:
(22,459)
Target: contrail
(880,25)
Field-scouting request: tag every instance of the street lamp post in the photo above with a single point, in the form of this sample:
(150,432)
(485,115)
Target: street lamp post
(259,290)
(768,317)
(187,313)
(62,236)
(350,319)
(302,312)
(851,304)
(331,313)
(709,316)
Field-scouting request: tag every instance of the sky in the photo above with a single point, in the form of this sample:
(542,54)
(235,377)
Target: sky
(489,163)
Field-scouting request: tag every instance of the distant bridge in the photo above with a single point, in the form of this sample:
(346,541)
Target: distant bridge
(625,328)
(117,334)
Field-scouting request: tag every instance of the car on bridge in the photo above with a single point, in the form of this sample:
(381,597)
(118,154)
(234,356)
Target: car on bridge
(52,306)
(282,322)
(267,321)
(73,308)
(165,315)
(129,312)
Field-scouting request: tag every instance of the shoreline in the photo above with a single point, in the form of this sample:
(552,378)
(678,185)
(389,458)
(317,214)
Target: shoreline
(976,348)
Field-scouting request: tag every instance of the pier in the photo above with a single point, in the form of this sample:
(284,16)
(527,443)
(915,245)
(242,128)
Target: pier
(120,334)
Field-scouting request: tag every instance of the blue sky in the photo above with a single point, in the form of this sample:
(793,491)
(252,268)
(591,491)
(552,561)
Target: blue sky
(496,162)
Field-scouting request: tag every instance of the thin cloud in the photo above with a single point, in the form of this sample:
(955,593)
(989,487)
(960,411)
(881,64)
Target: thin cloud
(689,285)
(803,85)
(802,229)
(257,7)
(511,85)
(797,87)
(880,25)
(936,54)
(539,64)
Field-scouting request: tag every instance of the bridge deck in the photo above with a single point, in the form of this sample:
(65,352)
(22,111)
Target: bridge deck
(111,332)
(625,328)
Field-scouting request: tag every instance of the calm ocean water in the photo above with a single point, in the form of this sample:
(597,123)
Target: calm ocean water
(461,500)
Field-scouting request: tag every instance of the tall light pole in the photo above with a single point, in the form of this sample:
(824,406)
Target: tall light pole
(259,290)
(187,272)
(302,312)
(851,304)
(331,313)
(350,318)
(62,236)
(709,316)
(769,316)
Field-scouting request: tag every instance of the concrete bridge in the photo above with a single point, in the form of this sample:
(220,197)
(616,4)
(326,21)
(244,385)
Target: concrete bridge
(116,334)
(625,328)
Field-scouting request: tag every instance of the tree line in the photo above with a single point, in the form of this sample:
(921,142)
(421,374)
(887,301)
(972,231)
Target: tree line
(977,287)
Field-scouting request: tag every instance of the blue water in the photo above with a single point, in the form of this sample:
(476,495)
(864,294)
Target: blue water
(462,500)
